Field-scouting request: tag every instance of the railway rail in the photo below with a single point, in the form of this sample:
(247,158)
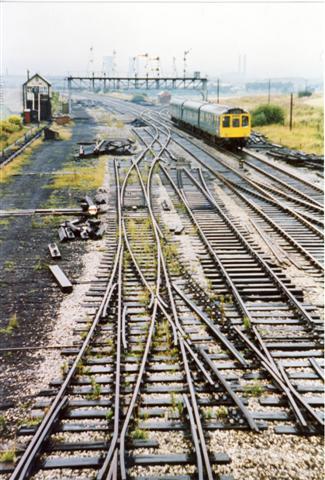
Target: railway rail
(164,360)
(301,232)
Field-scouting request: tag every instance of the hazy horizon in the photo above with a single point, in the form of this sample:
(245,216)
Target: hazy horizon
(281,39)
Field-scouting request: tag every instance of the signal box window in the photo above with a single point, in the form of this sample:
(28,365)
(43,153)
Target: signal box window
(244,120)
(226,121)
(235,122)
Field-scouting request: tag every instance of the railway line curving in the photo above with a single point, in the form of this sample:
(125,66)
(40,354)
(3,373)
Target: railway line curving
(162,361)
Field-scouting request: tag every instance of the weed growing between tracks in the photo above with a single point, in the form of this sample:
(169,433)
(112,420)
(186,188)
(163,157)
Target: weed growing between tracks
(8,457)
(12,325)
(14,167)
(47,221)
(85,177)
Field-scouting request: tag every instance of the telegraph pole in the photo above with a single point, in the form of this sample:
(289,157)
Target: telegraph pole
(291,108)
(269,92)
(218,90)
(69,95)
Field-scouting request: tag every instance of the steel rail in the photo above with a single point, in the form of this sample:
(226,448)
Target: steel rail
(254,155)
(297,413)
(317,368)
(120,436)
(267,197)
(279,254)
(136,391)
(299,216)
(193,308)
(156,304)
(234,188)
(132,404)
(281,381)
(124,340)
(24,466)
(284,170)
(20,150)
(213,328)
(290,297)
(181,334)
(245,412)
(229,282)
(299,202)
(230,391)
(196,440)
(270,368)
(313,203)
(117,400)
(187,343)
(198,424)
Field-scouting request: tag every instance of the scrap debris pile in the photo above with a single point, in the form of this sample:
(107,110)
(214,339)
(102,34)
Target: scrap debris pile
(138,122)
(85,227)
(118,146)
(88,226)
(296,157)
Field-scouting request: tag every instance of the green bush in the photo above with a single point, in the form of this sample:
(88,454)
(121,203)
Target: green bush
(304,93)
(9,127)
(15,119)
(139,98)
(259,120)
(267,115)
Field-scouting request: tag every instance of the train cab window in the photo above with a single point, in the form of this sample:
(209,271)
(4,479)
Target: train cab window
(226,121)
(244,121)
(235,122)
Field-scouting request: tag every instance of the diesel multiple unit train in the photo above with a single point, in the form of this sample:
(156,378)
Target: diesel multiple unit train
(221,124)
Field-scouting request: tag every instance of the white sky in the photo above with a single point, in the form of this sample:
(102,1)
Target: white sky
(279,38)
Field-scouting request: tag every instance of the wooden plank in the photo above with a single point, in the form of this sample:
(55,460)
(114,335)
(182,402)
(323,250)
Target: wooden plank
(61,279)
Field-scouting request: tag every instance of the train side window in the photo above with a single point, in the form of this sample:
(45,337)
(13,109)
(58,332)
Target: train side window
(226,121)
(235,122)
(244,120)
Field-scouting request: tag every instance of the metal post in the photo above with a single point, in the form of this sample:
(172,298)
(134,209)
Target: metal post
(291,108)
(218,90)
(39,107)
(269,93)
(69,95)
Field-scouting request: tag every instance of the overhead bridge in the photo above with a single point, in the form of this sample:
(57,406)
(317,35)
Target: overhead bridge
(139,83)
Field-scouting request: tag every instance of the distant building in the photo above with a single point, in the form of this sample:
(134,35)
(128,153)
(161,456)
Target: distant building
(37,92)
(164,98)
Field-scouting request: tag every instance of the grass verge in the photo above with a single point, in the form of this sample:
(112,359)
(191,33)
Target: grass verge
(85,177)
(16,165)
(307,133)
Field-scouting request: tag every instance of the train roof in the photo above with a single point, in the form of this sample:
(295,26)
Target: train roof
(207,107)
(193,104)
(221,109)
(177,101)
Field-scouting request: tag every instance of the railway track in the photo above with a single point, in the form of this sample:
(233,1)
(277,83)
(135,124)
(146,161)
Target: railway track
(182,339)
(300,233)
(303,230)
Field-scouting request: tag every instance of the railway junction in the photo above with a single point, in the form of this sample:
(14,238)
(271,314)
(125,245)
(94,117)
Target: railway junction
(189,342)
